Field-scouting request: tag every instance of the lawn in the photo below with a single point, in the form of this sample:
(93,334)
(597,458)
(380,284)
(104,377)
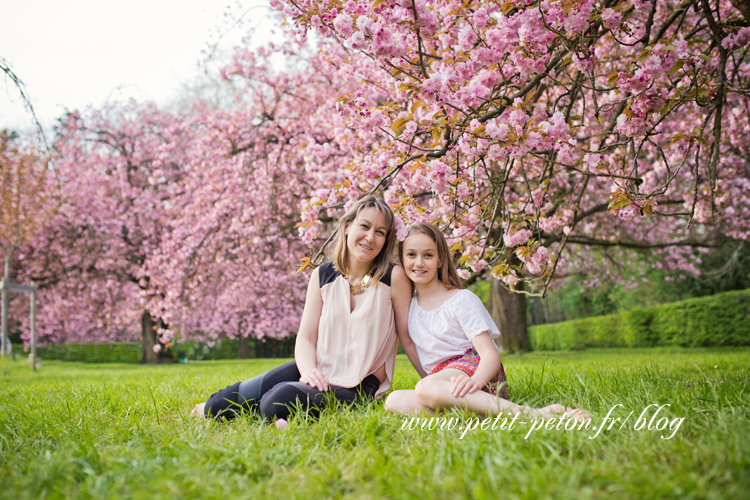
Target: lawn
(74,430)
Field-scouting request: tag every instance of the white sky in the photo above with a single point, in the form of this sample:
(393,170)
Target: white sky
(74,53)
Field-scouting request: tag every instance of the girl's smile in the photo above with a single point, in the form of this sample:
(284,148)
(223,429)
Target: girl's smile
(420,258)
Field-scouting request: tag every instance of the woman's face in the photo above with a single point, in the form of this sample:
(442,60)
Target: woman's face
(421,261)
(366,235)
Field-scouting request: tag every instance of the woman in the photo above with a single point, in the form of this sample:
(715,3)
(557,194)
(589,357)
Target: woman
(346,344)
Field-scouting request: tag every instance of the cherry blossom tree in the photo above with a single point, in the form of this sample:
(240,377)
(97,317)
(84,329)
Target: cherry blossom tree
(110,219)
(534,131)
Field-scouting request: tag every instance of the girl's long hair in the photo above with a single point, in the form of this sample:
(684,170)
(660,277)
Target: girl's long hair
(382,261)
(447,271)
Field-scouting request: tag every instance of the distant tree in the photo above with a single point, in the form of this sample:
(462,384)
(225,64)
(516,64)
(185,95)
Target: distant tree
(26,204)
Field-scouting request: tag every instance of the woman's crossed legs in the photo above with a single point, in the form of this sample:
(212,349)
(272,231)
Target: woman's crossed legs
(275,393)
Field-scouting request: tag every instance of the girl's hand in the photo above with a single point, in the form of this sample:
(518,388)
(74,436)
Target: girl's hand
(463,385)
(315,378)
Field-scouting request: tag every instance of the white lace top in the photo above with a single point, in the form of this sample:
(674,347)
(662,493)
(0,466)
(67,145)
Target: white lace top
(447,331)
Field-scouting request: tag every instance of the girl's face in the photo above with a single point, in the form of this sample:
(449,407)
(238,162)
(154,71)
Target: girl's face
(421,261)
(366,235)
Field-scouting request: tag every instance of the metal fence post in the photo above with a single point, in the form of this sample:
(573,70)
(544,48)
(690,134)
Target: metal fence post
(4,291)
(33,327)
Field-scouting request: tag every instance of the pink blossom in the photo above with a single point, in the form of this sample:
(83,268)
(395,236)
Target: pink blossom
(583,64)
(517,118)
(364,23)
(592,160)
(738,40)
(611,18)
(633,127)
(478,265)
(510,279)
(467,38)
(498,132)
(343,25)
(627,212)
(401,230)
(576,22)
(516,236)
(480,18)
(556,125)
(358,40)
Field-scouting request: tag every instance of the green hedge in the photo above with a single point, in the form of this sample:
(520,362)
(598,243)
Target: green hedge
(130,352)
(718,320)
(114,352)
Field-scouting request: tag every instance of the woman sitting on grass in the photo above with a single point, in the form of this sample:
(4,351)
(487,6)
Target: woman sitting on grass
(453,334)
(346,345)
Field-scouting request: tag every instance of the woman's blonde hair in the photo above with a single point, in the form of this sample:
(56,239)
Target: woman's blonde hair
(382,261)
(447,271)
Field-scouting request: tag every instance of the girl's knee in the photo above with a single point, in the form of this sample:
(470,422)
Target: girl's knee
(397,402)
(428,392)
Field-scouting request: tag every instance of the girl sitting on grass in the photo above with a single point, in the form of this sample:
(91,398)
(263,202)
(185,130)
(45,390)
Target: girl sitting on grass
(346,345)
(453,334)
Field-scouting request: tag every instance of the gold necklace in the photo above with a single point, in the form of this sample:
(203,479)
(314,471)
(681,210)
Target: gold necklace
(360,287)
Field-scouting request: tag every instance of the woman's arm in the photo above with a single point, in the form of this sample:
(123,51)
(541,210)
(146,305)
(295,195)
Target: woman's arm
(489,364)
(305,353)
(401,297)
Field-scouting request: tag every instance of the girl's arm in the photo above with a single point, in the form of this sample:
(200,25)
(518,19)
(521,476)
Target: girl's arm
(489,364)
(401,297)
(305,353)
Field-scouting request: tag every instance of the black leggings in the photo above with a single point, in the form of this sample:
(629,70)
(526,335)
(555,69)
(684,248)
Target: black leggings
(276,392)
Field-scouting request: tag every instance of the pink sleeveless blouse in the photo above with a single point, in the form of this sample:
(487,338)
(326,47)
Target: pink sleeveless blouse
(353,345)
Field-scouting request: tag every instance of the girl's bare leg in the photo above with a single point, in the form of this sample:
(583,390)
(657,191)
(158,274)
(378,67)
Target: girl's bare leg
(434,392)
(406,402)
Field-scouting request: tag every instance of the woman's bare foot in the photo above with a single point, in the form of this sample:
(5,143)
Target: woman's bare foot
(198,410)
(555,410)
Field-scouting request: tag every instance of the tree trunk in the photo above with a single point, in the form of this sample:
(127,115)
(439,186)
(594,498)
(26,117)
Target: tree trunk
(148,338)
(509,312)
(244,351)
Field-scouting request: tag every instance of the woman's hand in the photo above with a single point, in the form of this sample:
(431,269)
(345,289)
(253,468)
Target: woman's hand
(315,378)
(463,385)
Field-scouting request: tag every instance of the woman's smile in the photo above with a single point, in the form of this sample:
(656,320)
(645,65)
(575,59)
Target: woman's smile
(366,234)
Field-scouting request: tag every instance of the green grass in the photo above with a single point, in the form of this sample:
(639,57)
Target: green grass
(74,430)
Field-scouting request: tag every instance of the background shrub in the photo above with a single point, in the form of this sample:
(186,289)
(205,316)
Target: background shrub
(130,352)
(718,320)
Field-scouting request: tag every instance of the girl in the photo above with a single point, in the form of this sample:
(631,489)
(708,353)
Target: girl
(346,345)
(453,334)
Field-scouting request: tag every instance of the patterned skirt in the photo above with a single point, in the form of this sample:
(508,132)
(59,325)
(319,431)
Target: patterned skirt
(468,362)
